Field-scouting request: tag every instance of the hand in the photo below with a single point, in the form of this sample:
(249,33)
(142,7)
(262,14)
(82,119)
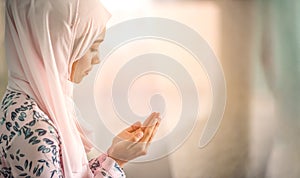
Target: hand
(134,141)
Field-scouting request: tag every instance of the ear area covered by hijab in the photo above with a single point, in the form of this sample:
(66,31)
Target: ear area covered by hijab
(43,38)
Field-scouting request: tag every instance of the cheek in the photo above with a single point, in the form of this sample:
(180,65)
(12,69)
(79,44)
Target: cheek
(84,63)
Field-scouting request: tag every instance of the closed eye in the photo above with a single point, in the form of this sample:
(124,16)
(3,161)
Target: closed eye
(94,50)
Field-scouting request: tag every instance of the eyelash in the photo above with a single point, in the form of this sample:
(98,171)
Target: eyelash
(94,50)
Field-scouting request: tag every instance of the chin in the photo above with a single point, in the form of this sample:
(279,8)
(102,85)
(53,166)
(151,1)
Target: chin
(77,81)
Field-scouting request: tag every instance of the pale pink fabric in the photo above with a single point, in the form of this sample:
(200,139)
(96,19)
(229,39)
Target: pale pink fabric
(43,39)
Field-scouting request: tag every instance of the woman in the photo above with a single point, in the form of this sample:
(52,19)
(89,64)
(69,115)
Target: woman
(50,45)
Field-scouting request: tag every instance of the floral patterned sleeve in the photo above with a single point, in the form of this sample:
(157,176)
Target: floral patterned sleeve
(33,152)
(30,144)
(104,166)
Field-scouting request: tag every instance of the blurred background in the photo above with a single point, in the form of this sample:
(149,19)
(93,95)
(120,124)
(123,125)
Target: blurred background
(258,44)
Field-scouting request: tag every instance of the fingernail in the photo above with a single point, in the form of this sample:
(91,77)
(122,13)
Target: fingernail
(155,121)
(138,123)
(139,135)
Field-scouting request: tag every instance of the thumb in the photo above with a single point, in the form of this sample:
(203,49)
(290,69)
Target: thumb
(134,127)
(137,136)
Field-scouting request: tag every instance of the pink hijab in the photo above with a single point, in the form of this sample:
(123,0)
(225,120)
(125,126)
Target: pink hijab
(43,39)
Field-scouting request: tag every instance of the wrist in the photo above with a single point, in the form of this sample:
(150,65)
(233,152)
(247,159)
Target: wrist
(121,163)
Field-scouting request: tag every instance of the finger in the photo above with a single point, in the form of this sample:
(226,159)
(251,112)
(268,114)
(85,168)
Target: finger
(134,127)
(149,127)
(149,119)
(136,137)
(155,130)
(153,134)
(149,130)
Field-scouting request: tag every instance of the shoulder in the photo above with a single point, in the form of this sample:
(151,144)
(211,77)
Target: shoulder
(19,115)
(30,143)
(19,107)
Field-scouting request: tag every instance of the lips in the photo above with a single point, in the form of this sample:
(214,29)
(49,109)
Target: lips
(88,71)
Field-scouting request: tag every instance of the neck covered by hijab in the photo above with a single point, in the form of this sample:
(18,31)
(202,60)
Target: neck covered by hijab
(43,40)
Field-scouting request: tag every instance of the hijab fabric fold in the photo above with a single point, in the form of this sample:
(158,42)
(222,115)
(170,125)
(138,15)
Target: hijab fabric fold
(43,39)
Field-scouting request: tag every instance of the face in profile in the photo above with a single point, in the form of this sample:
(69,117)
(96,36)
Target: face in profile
(84,65)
